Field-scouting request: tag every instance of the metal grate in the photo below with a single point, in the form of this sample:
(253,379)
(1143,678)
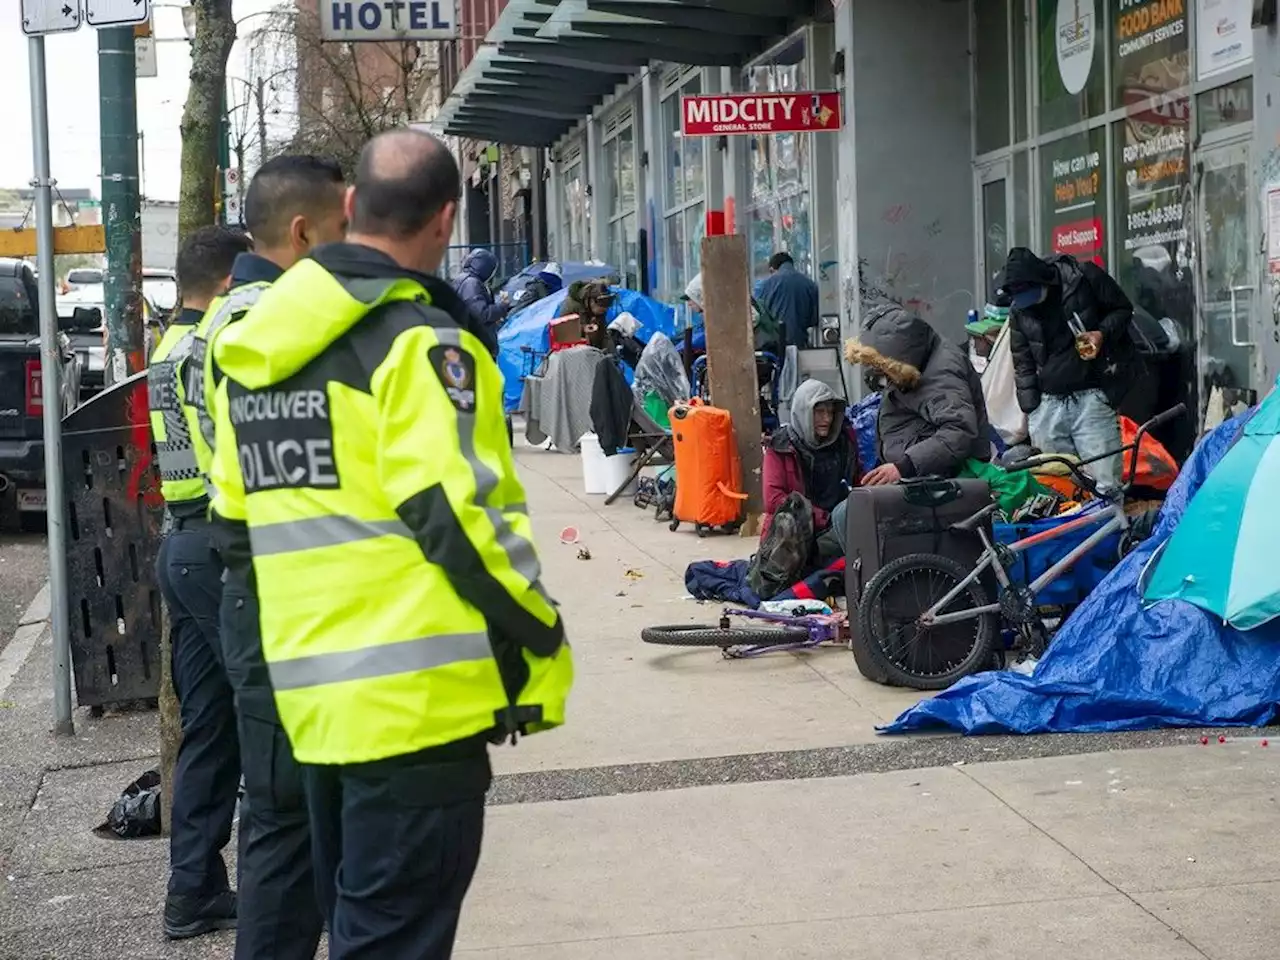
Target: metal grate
(114,517)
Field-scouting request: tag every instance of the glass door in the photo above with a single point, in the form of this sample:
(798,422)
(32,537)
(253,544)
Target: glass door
(1228,273)
(995,222)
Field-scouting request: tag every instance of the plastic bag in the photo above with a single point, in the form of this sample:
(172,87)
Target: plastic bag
(1001,393)
(137,812)
(864,417)
(661,371)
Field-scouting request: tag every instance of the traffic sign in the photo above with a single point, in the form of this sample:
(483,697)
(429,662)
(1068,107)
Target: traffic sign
(116,13)
(49,16)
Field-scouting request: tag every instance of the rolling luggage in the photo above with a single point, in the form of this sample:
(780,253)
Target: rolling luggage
(708,471)
(885,523)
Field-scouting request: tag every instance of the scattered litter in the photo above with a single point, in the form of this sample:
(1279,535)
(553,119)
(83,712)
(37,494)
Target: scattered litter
(1221,738)
(795,608)
(569,535)
(1025,667)
(633,574)
(137,812)
(621,593)
(958,763)
(10,704)
(1191,859)
(926,794)
(1075,783)
(1113,783)
(584,554)
(1264,743)
(1204,741)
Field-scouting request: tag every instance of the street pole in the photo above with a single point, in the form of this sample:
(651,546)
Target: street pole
(262,121)
(121,210)
(224,153)
(50,377)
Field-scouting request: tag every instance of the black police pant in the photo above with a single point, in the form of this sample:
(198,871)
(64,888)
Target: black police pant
(279,914)
(207,774)
(393,866)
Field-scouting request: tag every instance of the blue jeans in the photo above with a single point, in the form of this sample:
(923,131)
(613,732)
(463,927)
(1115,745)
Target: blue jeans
(1080,424)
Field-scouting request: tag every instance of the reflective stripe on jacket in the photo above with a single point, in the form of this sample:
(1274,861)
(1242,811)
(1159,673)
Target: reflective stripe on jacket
(173,424)
(360,440)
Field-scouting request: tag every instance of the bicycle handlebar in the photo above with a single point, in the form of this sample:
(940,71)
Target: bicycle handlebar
(1074,465)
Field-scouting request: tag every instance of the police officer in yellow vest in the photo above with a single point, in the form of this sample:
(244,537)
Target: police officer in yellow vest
(294,202)
(365,486)
(207,775)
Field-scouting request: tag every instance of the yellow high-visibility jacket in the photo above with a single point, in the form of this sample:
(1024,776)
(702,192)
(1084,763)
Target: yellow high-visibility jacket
(173,423)
(360,448)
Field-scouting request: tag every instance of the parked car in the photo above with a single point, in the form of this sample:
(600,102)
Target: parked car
(160,286)
(21,389)
(91,344)
(84,277)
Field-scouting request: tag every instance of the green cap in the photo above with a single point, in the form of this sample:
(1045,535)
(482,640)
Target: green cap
(993,319)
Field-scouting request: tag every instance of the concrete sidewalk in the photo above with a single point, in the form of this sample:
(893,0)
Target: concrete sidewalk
(696,807)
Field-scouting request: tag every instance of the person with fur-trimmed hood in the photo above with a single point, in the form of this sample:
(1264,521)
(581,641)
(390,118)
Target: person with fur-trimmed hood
(932,414)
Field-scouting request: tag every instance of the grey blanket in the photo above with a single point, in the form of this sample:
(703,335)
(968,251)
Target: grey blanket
(557,404)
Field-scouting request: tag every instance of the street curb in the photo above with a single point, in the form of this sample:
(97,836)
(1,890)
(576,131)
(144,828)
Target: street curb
(31,628)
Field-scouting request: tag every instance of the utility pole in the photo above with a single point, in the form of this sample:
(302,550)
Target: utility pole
(262,121)
(224,153)
(121,210)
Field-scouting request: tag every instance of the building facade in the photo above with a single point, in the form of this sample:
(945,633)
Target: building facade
(1136,133)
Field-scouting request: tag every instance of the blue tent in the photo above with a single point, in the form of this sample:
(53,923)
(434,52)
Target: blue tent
(528,328)
(570,271)
(1116,666)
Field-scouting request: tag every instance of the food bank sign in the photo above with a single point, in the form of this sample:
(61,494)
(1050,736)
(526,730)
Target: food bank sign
(709,116)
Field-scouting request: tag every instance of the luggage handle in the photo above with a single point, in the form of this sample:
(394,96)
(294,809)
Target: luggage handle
(931,492)
(729,493)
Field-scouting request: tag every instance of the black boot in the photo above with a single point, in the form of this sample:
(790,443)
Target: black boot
(192,916)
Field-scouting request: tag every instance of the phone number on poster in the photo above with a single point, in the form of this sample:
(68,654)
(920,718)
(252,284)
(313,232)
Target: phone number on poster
(1143,219)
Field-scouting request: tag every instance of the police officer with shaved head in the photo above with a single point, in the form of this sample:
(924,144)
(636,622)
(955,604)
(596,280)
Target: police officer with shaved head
(367,492)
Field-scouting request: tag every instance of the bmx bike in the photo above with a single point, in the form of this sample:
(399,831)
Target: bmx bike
(766,633)
(926,621)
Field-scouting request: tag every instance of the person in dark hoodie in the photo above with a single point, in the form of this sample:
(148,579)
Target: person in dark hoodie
(472,285)
(932,414)
(815,455)
(1070,382)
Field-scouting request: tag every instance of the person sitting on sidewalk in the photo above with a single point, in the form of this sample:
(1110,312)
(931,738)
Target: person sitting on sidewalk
(933,418)
(815,455)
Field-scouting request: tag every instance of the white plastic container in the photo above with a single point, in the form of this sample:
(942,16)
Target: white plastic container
(602,475)
(594,469)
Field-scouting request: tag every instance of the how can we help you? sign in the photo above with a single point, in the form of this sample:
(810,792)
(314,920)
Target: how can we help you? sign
(355,20)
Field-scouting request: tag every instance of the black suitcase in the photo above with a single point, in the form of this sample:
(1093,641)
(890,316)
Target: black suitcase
(885,523)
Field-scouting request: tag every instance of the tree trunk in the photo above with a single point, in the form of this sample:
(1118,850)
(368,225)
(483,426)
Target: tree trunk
(202,115)
(170,721)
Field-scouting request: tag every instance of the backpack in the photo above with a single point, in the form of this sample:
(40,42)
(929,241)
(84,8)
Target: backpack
(784,554)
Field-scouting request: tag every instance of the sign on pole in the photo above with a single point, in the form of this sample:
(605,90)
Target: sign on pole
(116,13)
(721,114)
(355,20)
(49,16)
(144,57)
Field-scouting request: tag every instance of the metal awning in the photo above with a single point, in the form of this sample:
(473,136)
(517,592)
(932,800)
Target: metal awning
(546,64)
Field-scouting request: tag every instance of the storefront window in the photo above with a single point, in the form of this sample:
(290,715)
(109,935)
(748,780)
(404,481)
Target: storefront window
(1073,178)
(991,74)
(1225,106)
(779,207)
(684,202)
(1072,71)
(619,161)
(574,219)
(1150,54)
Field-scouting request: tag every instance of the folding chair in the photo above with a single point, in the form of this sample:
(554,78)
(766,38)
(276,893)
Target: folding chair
(652,444)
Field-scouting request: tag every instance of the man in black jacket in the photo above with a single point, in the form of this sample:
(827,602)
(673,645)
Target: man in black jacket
(1070,381)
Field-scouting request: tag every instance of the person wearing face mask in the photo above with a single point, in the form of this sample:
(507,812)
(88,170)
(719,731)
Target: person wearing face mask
(933,418)
(983,332)
(815,455)
(1071,346)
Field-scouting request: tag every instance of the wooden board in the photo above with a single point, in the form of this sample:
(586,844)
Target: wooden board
(731,356)
(66,240)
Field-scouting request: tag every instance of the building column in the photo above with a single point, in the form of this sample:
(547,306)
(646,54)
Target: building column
(596,222)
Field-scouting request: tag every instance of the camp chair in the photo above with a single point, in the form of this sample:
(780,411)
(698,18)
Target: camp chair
(652,444)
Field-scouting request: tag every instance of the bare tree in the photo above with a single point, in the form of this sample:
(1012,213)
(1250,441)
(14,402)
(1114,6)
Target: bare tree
(202,115)
(338,95)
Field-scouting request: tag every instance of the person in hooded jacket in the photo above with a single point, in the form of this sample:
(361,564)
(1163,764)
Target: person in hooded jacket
(1070,383)
(472,285)
(815,455)
(933,417)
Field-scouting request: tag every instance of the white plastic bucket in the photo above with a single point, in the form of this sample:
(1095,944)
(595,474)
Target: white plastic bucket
(617,468)
(594,469)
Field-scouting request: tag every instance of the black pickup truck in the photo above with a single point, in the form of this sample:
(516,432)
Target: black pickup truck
(21,390)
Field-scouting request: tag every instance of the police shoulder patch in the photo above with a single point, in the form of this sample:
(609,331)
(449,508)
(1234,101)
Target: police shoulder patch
(456,369)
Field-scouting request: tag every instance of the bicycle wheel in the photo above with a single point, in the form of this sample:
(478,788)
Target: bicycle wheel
(911,655)
(706,635)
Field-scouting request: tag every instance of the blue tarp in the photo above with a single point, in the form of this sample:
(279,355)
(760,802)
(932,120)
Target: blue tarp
(1115,666)
(528,328)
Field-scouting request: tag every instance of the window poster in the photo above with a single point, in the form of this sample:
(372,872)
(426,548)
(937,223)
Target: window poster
(1073,175)
(1224,36)
(1150,53)
(1072,62)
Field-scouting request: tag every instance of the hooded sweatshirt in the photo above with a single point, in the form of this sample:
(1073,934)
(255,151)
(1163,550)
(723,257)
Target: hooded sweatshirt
(472,285)
(796,461)
(932,414)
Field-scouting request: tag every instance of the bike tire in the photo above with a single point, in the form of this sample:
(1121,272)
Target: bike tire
(705,635)
(871,613)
